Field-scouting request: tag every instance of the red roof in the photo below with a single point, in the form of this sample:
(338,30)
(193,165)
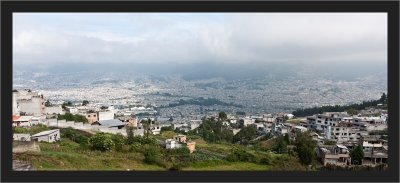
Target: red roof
(14,118)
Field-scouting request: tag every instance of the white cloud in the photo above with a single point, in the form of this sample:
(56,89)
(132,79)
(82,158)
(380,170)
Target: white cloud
(185,38)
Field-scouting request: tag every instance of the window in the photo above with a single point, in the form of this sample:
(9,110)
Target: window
(88,116)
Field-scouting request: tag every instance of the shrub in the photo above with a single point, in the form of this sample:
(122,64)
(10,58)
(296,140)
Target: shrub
(266,160)
(135,147)
(119,141)
(151,155)
(102,142)
(241,155)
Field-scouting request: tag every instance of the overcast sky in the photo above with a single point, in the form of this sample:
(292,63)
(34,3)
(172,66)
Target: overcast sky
(44,38)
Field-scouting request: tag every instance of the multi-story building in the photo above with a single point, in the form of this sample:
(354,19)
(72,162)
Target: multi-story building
(26,102)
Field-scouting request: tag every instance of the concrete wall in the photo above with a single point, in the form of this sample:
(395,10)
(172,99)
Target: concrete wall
(86,127)
(22,147)
(53,110)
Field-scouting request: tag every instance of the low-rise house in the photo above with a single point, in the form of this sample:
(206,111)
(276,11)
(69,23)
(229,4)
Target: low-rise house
(72,110)
(22,121)
(180,138)
(180,141)
(156,129)
(21,137)
(371,142)
(92,117)
(129,120)
(299,129)
(47,136)
(172,144)
(110,123)
(334,154)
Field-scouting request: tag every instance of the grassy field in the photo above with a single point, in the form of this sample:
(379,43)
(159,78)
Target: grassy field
(70,155)
(227,166)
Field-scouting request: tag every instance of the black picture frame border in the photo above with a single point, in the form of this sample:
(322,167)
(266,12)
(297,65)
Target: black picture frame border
(9,7)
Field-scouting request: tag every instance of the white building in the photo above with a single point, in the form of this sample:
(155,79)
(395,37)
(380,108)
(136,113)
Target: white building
(73,110)
(47,136)
(21,137)
(248,121)
(172,144)
(106,115)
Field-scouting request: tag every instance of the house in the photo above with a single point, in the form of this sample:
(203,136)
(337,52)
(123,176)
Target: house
(129,120)
(172,144)
(156,129)
(334,154)
(180,138)
(110,123)
(72,110)
(299,129)
(22,121)
(91,117)
(21,137)
(371,142)
(47,136)
(180,141)
(106,115)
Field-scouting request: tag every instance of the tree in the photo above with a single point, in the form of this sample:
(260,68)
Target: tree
(246,134)
(147,127)
(352,111)
(85,102)
(383,98)
(305,148)
(329,142)
(130,138)
(102,142)
(286,138)
(281,146)
(222,116)
(69,103)
(357,155)
(151,155)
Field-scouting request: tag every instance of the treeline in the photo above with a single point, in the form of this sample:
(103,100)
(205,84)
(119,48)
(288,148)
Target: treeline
(340,108)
